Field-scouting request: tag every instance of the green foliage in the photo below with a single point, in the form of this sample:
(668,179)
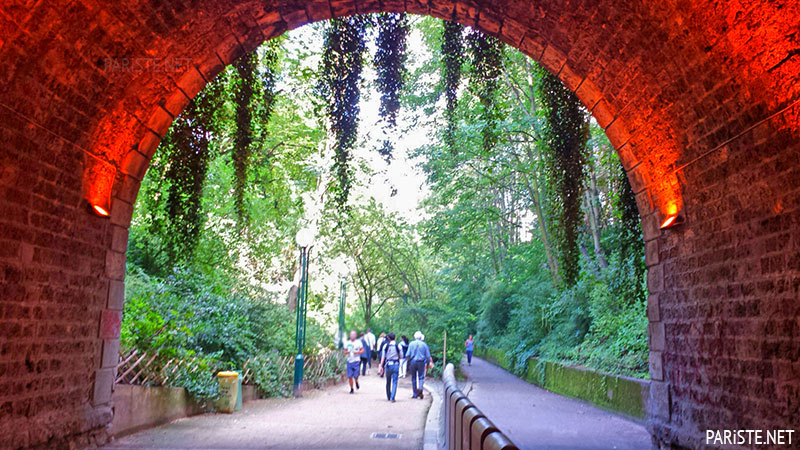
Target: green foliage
(188,155)
(254,98)
(534,165)
(452,48)
(567,130)
(486,69)
(246,68)
(390,60)
(187,316)
(339,85)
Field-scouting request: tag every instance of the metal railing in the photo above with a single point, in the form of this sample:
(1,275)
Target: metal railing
(466,426)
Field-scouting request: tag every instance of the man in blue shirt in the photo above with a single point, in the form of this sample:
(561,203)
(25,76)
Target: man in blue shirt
(419,358)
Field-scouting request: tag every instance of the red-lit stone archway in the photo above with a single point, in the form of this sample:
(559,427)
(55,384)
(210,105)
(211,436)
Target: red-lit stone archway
(700,98)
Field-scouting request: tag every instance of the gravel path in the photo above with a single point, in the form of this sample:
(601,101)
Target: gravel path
(323,419)
(534,418)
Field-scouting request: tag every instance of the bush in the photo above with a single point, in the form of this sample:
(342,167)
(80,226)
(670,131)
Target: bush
(186,315)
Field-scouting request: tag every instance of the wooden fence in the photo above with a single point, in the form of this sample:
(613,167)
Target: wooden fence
(152,369)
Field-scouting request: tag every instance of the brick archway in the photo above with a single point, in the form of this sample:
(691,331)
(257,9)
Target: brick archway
(700,100)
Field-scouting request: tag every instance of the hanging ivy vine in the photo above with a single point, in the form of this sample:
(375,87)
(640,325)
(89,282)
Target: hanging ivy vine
(566,134)
(340,79)
(254,98)
(390,60)
(246,68)
(187,146)
(452,60)
(487,64)
(628,213)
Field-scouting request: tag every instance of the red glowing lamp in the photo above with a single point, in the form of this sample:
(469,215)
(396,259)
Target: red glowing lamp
(100,211)
(669,221)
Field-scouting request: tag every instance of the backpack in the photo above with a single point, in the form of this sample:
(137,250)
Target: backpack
(396,348)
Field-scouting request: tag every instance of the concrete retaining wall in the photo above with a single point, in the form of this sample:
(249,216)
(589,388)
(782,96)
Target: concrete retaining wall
(624,395)
(140,407)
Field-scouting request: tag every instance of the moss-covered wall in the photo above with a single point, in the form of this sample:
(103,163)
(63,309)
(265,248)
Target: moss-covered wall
(620,394)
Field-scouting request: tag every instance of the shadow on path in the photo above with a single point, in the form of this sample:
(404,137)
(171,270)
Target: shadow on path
(323,419)
(534,418)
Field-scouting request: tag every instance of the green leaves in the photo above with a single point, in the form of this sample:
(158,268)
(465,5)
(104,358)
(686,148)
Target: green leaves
(452,49)
(340,79)
(390,60)
(254,99)
(566,134)
(486,69)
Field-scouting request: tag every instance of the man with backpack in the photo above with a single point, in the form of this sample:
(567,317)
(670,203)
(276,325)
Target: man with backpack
(390,364)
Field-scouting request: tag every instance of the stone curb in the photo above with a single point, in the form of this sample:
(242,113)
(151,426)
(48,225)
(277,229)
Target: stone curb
(430,440)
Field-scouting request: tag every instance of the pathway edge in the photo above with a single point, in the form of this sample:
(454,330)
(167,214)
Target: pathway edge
(430,439)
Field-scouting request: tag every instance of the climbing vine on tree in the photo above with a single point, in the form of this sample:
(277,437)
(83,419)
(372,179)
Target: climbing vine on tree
(340,79)
(487,66)
(452,50)
(390,60)
(566,133)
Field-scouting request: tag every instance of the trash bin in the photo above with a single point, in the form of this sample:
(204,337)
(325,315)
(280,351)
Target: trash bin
(239,396)
(228,391)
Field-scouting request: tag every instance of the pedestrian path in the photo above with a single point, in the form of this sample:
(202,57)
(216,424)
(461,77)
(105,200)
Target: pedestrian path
(534,418)
(330,418)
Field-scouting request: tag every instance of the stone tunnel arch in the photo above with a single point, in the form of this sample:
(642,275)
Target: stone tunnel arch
(700,101)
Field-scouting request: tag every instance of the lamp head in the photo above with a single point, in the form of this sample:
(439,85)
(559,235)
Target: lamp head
(305,237)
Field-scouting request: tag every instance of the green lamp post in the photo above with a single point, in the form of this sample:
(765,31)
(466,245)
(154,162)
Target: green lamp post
(342,302)
(305,239)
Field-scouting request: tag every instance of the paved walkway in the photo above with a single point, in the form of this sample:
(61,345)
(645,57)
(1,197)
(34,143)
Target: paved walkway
(323,419)
(534,418)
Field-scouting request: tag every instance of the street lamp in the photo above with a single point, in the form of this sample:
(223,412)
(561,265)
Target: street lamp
(342,302)
(304,239)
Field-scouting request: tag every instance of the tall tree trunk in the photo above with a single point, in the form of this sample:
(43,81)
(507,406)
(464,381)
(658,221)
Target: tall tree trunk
(533,190)
(594,229)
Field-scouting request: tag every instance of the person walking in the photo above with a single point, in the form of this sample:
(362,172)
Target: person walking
(390,365)
(419,359)
(469,345)
(353,349)
(403,362)
(365,355)
(370,338)
(380,345)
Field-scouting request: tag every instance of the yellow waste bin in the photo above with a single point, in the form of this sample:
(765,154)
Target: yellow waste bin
(228,391)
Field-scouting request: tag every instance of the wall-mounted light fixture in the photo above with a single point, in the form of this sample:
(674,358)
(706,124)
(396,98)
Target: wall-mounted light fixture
(100,210)
(98,182)
(672,217)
